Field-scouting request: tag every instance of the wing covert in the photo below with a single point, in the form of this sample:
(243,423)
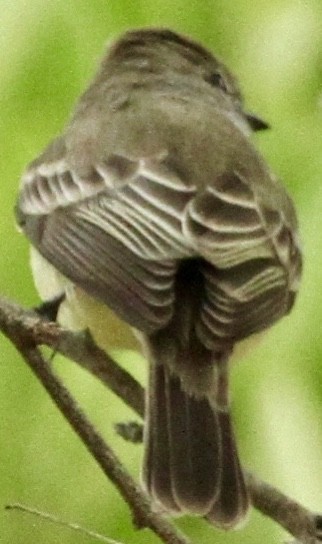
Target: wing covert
(229,224)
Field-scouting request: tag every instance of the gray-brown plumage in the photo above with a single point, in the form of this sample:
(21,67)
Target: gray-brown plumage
(155,202)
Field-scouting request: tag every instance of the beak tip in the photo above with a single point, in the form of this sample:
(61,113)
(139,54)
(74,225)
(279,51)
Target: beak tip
(256,123)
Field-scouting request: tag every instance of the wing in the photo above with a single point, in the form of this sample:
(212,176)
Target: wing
(253,244)
(121,228)
(115,232)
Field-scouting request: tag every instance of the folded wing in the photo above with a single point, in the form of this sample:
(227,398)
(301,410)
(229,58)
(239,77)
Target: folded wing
(121,229)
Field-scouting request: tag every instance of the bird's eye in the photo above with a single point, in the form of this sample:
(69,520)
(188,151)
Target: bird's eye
(216,80)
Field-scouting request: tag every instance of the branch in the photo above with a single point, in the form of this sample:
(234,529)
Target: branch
(304,525)
(11,323)
(27,330)
(17,322)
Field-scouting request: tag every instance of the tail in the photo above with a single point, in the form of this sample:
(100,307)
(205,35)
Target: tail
(191,462)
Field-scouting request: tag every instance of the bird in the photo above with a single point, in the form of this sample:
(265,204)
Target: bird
(156,220)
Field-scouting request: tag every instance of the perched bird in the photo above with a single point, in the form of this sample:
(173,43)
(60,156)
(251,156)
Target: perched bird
(153,212)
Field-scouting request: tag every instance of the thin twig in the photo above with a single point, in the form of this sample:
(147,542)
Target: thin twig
(18,323)
(57,521)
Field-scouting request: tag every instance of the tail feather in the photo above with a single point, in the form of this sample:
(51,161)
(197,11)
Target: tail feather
(194,449)
(232,504)
(191,462)
(156,465)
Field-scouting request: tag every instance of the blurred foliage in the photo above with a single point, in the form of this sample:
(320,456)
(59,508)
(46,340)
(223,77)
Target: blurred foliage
(48,51)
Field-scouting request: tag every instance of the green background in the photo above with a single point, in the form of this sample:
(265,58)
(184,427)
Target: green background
(48,51)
